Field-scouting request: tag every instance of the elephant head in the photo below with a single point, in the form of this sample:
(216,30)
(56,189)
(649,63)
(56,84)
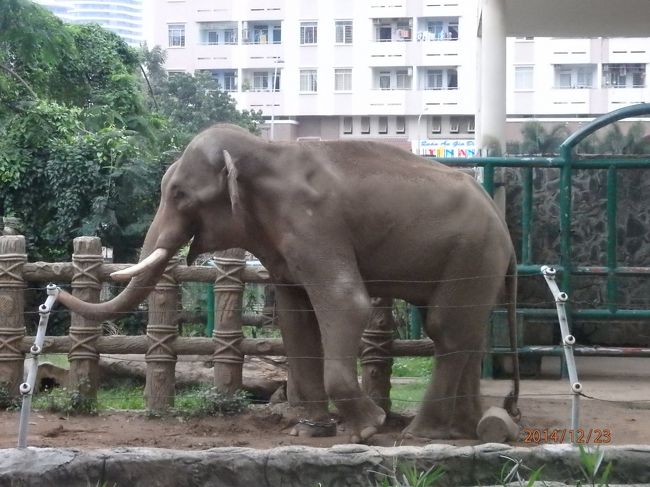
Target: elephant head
(200,203)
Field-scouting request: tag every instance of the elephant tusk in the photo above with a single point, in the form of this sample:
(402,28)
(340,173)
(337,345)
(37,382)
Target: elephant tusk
(154,258)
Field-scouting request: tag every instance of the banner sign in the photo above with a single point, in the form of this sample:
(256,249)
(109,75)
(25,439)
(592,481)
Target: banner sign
(445,147)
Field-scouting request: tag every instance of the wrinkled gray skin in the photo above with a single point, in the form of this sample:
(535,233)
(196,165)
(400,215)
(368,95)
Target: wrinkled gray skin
(338,222)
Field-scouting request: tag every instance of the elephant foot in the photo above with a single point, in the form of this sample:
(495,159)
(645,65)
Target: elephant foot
(365,420)
(311,429)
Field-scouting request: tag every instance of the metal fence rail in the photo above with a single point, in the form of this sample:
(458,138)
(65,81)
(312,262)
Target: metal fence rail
(568,162)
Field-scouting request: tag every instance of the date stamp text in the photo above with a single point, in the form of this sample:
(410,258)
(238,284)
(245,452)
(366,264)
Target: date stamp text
(564,435)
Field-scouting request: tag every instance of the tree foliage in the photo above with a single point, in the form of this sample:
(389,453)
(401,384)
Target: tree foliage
(84,146)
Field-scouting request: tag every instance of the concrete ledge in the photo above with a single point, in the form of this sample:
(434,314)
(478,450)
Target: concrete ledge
(343,465)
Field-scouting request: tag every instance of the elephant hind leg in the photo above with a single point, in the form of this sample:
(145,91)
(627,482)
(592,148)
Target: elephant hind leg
(456,322)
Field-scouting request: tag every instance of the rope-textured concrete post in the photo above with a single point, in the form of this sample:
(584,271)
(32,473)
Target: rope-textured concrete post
(86,285)
(229,297)
(376,360)
(162,331)
(12,304)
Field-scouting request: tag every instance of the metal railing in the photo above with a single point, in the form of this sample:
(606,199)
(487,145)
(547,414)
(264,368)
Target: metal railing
(567,162)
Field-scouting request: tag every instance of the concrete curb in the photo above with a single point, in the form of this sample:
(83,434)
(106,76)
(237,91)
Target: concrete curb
(342,465)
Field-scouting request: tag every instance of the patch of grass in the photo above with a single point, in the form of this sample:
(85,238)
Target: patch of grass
(208,401)
(64,401)
(8,400)
(58,359)
(122,397)
(409,475)
(591,462)
(408,396)
(412,366)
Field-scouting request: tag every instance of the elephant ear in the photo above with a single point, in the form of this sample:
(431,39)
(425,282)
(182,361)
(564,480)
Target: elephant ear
(233,188)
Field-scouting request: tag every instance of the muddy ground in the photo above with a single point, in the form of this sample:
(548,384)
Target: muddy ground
(265,427)
(619,415)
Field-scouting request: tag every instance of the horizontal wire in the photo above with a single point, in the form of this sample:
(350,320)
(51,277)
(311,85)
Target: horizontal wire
(187,392)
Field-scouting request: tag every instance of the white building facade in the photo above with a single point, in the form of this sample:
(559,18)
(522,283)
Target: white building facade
(404,71)
(123,17)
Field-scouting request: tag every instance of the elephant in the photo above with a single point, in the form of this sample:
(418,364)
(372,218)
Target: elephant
(336,223)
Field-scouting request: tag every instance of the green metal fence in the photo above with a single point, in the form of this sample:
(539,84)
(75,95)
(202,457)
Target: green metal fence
(567,163)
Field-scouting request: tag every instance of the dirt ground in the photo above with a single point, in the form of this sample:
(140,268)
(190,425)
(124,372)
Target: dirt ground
(620,415)
(264,428)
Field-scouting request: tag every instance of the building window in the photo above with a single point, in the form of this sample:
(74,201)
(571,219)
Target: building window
(343,31)
(365,125)
(400,125)
(230,36)
(434,79)
(471,125)
(308,81)
(383,125)
(276,80)
(585,77)
(384,80)
(441,79)
(176,35)
(384,33)
(308,33)
(574,76)
(260,34)
(209,33)
(435,124)
(403,80)
(452,79)
(343,79)
(260,81)
(347,125)
(454,125)
(523,77)
(277,34)
(623,75)
(230,81)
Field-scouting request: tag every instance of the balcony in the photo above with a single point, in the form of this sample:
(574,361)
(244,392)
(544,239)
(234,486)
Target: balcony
(570,51)
(388,54)
(210,10)
(214,57)
(271,103)
(387,30)
(269,32)
(566,101)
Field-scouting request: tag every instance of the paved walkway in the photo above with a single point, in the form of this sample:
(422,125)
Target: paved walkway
(609,378)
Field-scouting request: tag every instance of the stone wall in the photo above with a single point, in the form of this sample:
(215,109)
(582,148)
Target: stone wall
(589,231)
(299,466)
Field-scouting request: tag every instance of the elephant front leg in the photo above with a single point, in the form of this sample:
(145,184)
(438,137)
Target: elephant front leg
(343,312)
(302,341)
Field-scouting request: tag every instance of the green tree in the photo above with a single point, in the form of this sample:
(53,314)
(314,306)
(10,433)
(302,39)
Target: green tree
(633,141)
(537,140)
(193,102)
(80,152)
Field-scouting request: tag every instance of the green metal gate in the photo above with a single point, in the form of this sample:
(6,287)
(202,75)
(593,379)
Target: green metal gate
(568,162)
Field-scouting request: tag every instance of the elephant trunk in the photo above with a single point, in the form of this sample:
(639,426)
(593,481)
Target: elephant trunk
(138,288)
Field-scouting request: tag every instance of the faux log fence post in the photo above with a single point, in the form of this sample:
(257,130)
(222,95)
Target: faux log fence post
(229,297)
(376,360)
(12,304)
(86,285)
(162,331)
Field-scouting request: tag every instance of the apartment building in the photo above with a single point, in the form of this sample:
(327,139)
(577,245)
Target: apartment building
(401,70)
(398,70)
(572,80)
(123,17)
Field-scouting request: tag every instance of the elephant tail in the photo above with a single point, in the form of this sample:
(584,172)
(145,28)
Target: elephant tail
(510,402)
